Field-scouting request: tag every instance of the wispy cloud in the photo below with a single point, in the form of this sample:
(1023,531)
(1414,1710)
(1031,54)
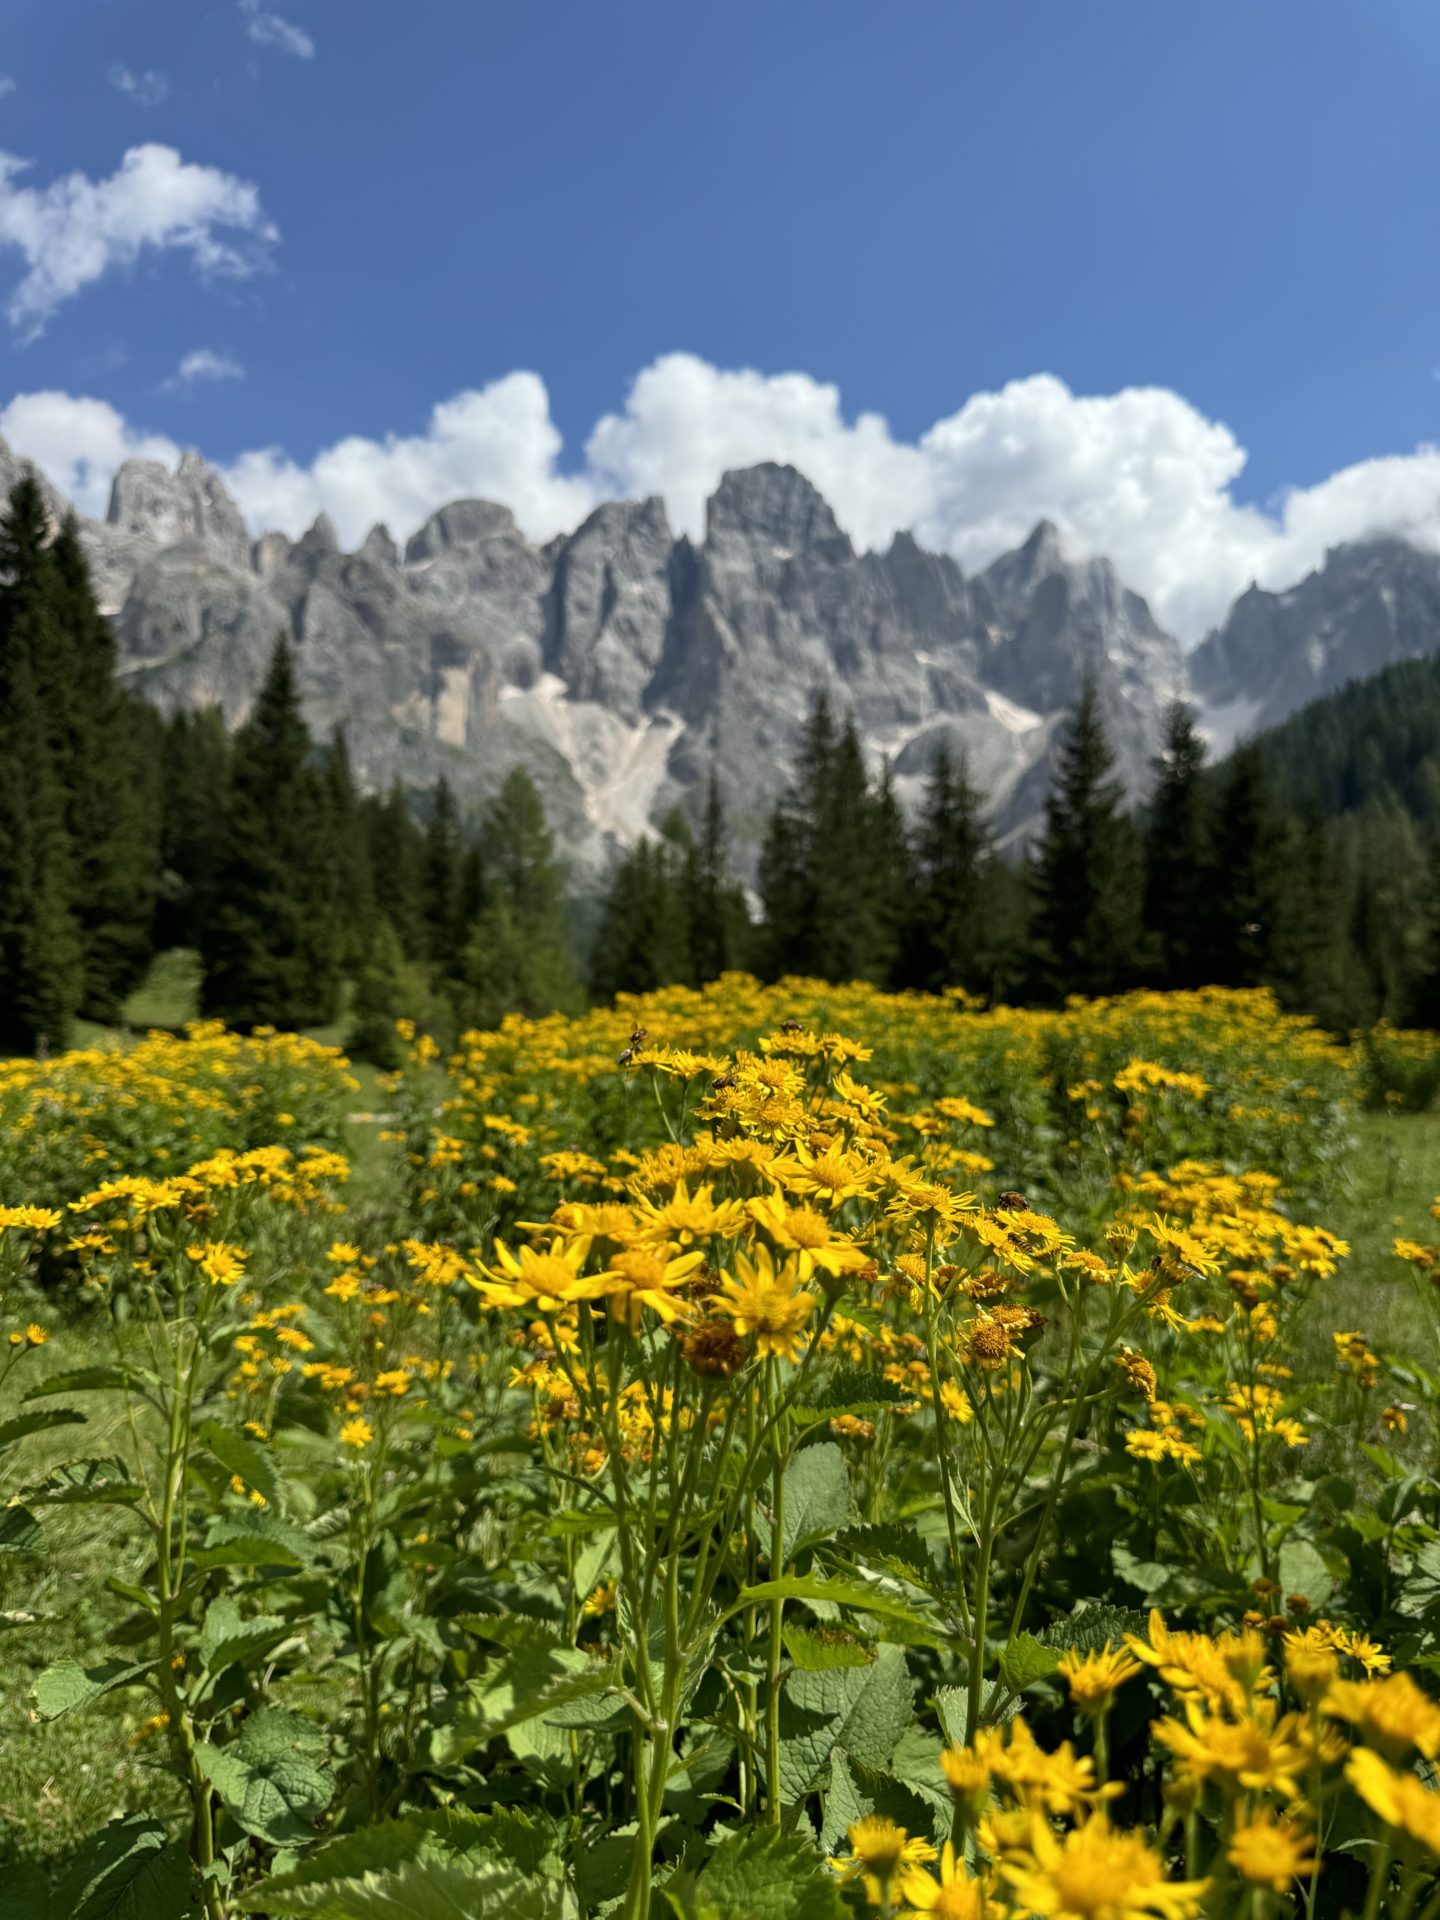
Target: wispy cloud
(145,89)
(204,364)
(74,231)
(269,30)
(7,85)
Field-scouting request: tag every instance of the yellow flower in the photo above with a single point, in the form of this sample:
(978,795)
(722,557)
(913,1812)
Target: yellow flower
(807,1234)
(1391,1714)
(538,1279)
(221,1264)
(956,1403)
(39,1219)
(1399,1798)
(769,1304)
(1096,1872)
(1311,1663)
(357,1433)
(886,1860)
(638,1278)
(35,1334)
(956,1896)
(601,1601)
(1241,1756)
(1271,1852)
(686,1217)
(1095,1678)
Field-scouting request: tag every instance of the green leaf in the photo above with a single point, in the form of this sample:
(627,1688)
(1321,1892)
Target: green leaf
(531,1682)
(255,1538)
(85,1380)
(892,1548)
(862,1709)
(1089,1628)
(19,1530)
(1302,1569)
(841,1593)
(14,1431)
(24,1893)
(271,1784)
(844,1803)
(227,1636)
(818,1502)
(67,1685)
(502,1853)
(1024,1661)
(831,1647)
(455,1889)
(762,1875)
(130,1870)
(863,1394)
(87,1483)
(241,1456)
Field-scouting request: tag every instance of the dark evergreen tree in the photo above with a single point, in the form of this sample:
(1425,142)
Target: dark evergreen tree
(195,778)
(444,882)
(517,957)
(1177,855)
(1086,879)
(348,892)
(953,936)
(718,917)
(1246,892)
(397,868)
(270,954)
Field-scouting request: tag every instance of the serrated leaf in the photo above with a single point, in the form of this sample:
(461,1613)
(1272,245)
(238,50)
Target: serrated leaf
(862,1709)
(455,1889)
(254,1539)
(19,1530)
(12,1432)
(815,1652)
(67,1685)
(271,1787)
(86,1380)
(818,1501)
(228,1636)
(1088,1630)
(130,1870)
(1024,1661)
(762,1875)
(851,1392)
(841,1593)
(87,1483)
(1302,1569)
(844,1803)
(243,1457)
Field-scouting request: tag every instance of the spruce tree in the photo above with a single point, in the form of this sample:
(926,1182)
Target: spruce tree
(517,957)
(952,934)
(1177,854)
(348,892)
(41,956)
(1246,891)
(1086,879)
(194,782)
(270,954)
(443,882)
(718,917)
(397,862)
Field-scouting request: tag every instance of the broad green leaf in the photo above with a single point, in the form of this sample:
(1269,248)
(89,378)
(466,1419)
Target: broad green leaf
(229,1636)
(130,1870)
(530,1683)
(762,1875)
(818,1501)
(862,1709)
(86,1380)
(1024,1661)
(25,1893)
(891,1548)
(19,1530)
(844,1803)
(242,1456)
(1302,1569)
(1089,1628)
(87,1483)
(915,1763)
(67,1685)
(254,1539)
(455,1889)
(840,1593)
(12,1432)
(830,1647)
(864,1394)
(271,1787)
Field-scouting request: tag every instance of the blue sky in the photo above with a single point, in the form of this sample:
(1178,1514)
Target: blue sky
(913,204)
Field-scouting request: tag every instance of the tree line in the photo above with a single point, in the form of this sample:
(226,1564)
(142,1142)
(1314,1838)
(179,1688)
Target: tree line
(1306,861)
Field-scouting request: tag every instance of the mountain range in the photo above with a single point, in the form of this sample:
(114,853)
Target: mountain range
(620,664)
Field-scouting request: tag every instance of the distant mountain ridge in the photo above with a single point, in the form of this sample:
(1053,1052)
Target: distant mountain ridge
(620,664)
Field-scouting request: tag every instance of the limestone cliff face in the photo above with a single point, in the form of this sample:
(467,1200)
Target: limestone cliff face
(619,664)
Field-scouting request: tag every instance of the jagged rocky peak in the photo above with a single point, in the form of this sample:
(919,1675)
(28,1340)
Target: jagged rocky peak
(321,536)
(149,502)
(270,554)
(775,507)
(609,603)
(1012,580)
(464,523)
(379,546)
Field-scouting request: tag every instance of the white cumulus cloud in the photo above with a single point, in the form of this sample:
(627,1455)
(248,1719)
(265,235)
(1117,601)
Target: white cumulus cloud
(205,364)
(1140,476)
(145,89)
(72,232)
(270,30)
(78,444)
